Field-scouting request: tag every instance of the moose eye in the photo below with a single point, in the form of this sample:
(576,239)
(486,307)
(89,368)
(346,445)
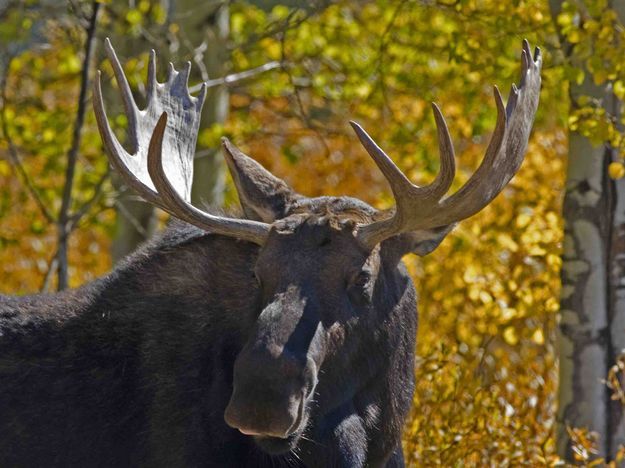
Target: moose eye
(360,288)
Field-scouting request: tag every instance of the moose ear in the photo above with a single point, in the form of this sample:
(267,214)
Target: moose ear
(417,242)
(263,196)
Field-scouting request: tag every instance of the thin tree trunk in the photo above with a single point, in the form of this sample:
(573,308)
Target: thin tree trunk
(592,302)
(583,340)
(64,218)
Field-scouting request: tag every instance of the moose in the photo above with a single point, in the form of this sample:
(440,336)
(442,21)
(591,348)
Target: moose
(283,336)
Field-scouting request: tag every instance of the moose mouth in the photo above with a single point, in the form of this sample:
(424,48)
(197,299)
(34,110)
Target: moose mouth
(279,445)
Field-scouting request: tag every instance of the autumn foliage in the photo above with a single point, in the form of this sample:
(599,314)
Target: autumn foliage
(487,369)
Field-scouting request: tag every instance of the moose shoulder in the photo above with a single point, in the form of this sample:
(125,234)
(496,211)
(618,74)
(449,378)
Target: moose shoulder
(284,337)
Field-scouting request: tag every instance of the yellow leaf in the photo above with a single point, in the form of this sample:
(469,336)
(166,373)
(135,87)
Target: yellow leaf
(573,36)
(5,170)
(523,220)
(485,297)
(538,337)
(508,313)
(134,17)
(509,334)
(619,89)
(537,251)
(616,170)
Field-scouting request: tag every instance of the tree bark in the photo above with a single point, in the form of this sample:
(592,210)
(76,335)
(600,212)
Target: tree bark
(616,315)
(583,340)
(592,302)
(616,312)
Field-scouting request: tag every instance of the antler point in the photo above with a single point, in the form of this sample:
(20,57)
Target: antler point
(356,126)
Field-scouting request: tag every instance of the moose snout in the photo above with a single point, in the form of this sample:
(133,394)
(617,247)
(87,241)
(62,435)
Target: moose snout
(259,417)
(270,394)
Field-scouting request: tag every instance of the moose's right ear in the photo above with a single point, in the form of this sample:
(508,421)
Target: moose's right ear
(263,196)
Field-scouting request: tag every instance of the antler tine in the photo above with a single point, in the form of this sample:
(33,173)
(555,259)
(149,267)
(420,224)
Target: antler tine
(422,207)
(152,83)
(447,170)
(398,181)
(252,231)
(127,98)
(118,156)
(168,126)
(407,194)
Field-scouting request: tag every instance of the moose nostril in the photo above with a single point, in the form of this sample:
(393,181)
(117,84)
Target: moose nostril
(310,377)
(300,415)
(231,416)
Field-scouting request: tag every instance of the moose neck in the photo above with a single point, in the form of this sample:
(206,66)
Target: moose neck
(185,275)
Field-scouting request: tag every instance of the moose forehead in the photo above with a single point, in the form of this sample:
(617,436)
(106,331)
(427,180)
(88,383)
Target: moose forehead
(343,207)
(320,227)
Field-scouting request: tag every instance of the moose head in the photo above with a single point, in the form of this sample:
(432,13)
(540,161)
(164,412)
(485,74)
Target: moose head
(328,269)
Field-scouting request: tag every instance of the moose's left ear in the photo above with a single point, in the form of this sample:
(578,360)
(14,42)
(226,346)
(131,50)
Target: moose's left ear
(263,196)
(417,242)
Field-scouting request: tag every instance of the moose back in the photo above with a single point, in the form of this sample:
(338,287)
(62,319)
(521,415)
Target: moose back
(283,337)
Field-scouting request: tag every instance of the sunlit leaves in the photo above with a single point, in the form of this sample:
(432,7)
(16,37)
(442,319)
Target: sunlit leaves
(486,373)
(596,37)
(616,170)
(491,296)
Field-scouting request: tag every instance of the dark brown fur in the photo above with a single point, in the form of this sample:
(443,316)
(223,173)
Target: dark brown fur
(136,368)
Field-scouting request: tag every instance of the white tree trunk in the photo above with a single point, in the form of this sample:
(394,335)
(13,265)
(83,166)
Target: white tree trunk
(592,303)
(583,339)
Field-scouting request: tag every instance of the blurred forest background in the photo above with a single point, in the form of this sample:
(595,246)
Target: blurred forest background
(284,79)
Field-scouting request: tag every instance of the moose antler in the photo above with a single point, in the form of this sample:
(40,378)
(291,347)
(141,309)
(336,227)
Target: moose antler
(162,141)
(420,208)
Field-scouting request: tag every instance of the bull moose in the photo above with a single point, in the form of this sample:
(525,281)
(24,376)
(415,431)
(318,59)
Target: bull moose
(281,337)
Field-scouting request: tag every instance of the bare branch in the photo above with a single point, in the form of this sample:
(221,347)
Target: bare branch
(236,77)
(300,109)
(63,225)
(86,206)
